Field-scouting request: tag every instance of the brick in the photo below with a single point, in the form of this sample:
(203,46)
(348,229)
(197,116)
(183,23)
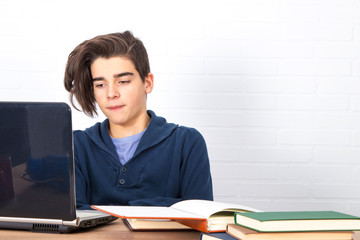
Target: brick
(293,120)
(206,118)
(241,171)
(10,80)
(223,10)
(176,100)
(39,62)
(312,102)
(282,85)
(156,47)
(317,32)
(315,67)
(221,154)
(224,189)
(340,14)
(355,138)
(215,84)
(313,174)
(338,191)
(7,10)
(355,173)
(357,33)
(11,63)
(245,31)
(314,137)
(171,65)
(243,67)
(339,120)
(307,205)
(10,44)
(258,48)
(338,50)
(161,84)
(274,190)
(356,67)
(187,47)
(281,13)
(233,137)
(259,155)
(40,80)
(274,49)
(341,85)
(179,27)
(236,101)
(43,28)
(10,26)
(39,45)
(221,48)
(355,103)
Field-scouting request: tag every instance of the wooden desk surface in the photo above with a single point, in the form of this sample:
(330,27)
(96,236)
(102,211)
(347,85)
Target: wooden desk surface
(115,230)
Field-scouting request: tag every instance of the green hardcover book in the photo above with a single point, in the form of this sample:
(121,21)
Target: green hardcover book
(298,221)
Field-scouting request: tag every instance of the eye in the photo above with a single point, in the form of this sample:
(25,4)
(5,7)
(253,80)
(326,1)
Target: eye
(99,85)
(124,81)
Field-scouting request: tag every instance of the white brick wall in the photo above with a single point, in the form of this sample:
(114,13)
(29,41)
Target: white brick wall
(273,85)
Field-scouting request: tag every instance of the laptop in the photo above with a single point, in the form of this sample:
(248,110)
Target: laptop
(37,177)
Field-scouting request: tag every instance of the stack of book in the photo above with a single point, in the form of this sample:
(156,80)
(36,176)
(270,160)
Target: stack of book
(201,215)
(299,225)
(218,220)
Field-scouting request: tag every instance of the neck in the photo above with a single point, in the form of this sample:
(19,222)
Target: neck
(121,131)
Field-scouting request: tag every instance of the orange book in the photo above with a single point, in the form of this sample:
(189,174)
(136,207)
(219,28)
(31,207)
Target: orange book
(202,215)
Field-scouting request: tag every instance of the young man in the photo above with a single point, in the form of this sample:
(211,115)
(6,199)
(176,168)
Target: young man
(134,157)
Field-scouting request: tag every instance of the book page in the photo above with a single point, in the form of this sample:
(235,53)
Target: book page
(147,212)
(206,208)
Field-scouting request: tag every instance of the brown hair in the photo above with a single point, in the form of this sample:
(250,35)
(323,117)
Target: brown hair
(78,78)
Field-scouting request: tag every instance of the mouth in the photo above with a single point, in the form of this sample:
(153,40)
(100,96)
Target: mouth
(115,107)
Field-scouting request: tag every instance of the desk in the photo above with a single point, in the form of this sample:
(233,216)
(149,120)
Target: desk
(111,231)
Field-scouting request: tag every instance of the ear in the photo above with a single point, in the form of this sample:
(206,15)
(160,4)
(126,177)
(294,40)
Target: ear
(149,83)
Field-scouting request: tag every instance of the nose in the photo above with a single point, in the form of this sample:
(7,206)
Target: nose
(113,91)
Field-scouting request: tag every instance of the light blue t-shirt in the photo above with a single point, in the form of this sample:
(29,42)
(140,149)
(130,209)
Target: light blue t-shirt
(125,147)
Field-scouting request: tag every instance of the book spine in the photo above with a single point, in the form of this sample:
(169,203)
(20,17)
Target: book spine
(200,225)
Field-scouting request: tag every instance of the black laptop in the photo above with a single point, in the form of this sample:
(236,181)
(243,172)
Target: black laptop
(37,177)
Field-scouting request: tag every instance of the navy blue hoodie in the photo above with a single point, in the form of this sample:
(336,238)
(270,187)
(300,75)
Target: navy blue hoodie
(170,164)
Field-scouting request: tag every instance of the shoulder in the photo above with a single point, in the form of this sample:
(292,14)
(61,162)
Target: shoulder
(79,134)
(188,132)
(162,125)
(191,137)
(159,129)
(93,132)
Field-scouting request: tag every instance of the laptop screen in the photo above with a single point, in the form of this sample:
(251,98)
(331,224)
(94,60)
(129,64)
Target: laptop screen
(36,161)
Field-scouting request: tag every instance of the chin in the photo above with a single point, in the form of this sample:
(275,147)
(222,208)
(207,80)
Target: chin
(117,121)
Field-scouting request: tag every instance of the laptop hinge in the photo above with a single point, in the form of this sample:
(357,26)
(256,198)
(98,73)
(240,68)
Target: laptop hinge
(75,222)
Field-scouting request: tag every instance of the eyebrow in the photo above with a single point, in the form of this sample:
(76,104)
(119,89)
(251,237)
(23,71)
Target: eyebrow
(118,75)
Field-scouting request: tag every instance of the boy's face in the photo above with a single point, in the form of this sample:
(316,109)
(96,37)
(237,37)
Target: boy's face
(119,91)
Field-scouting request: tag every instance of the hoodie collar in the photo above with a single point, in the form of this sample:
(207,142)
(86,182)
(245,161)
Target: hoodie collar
(156,132)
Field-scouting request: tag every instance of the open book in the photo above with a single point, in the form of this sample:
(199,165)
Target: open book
(202,215)
(137,224)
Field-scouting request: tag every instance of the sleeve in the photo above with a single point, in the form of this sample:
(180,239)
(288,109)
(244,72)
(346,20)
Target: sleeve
(196,182)
(80,176)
